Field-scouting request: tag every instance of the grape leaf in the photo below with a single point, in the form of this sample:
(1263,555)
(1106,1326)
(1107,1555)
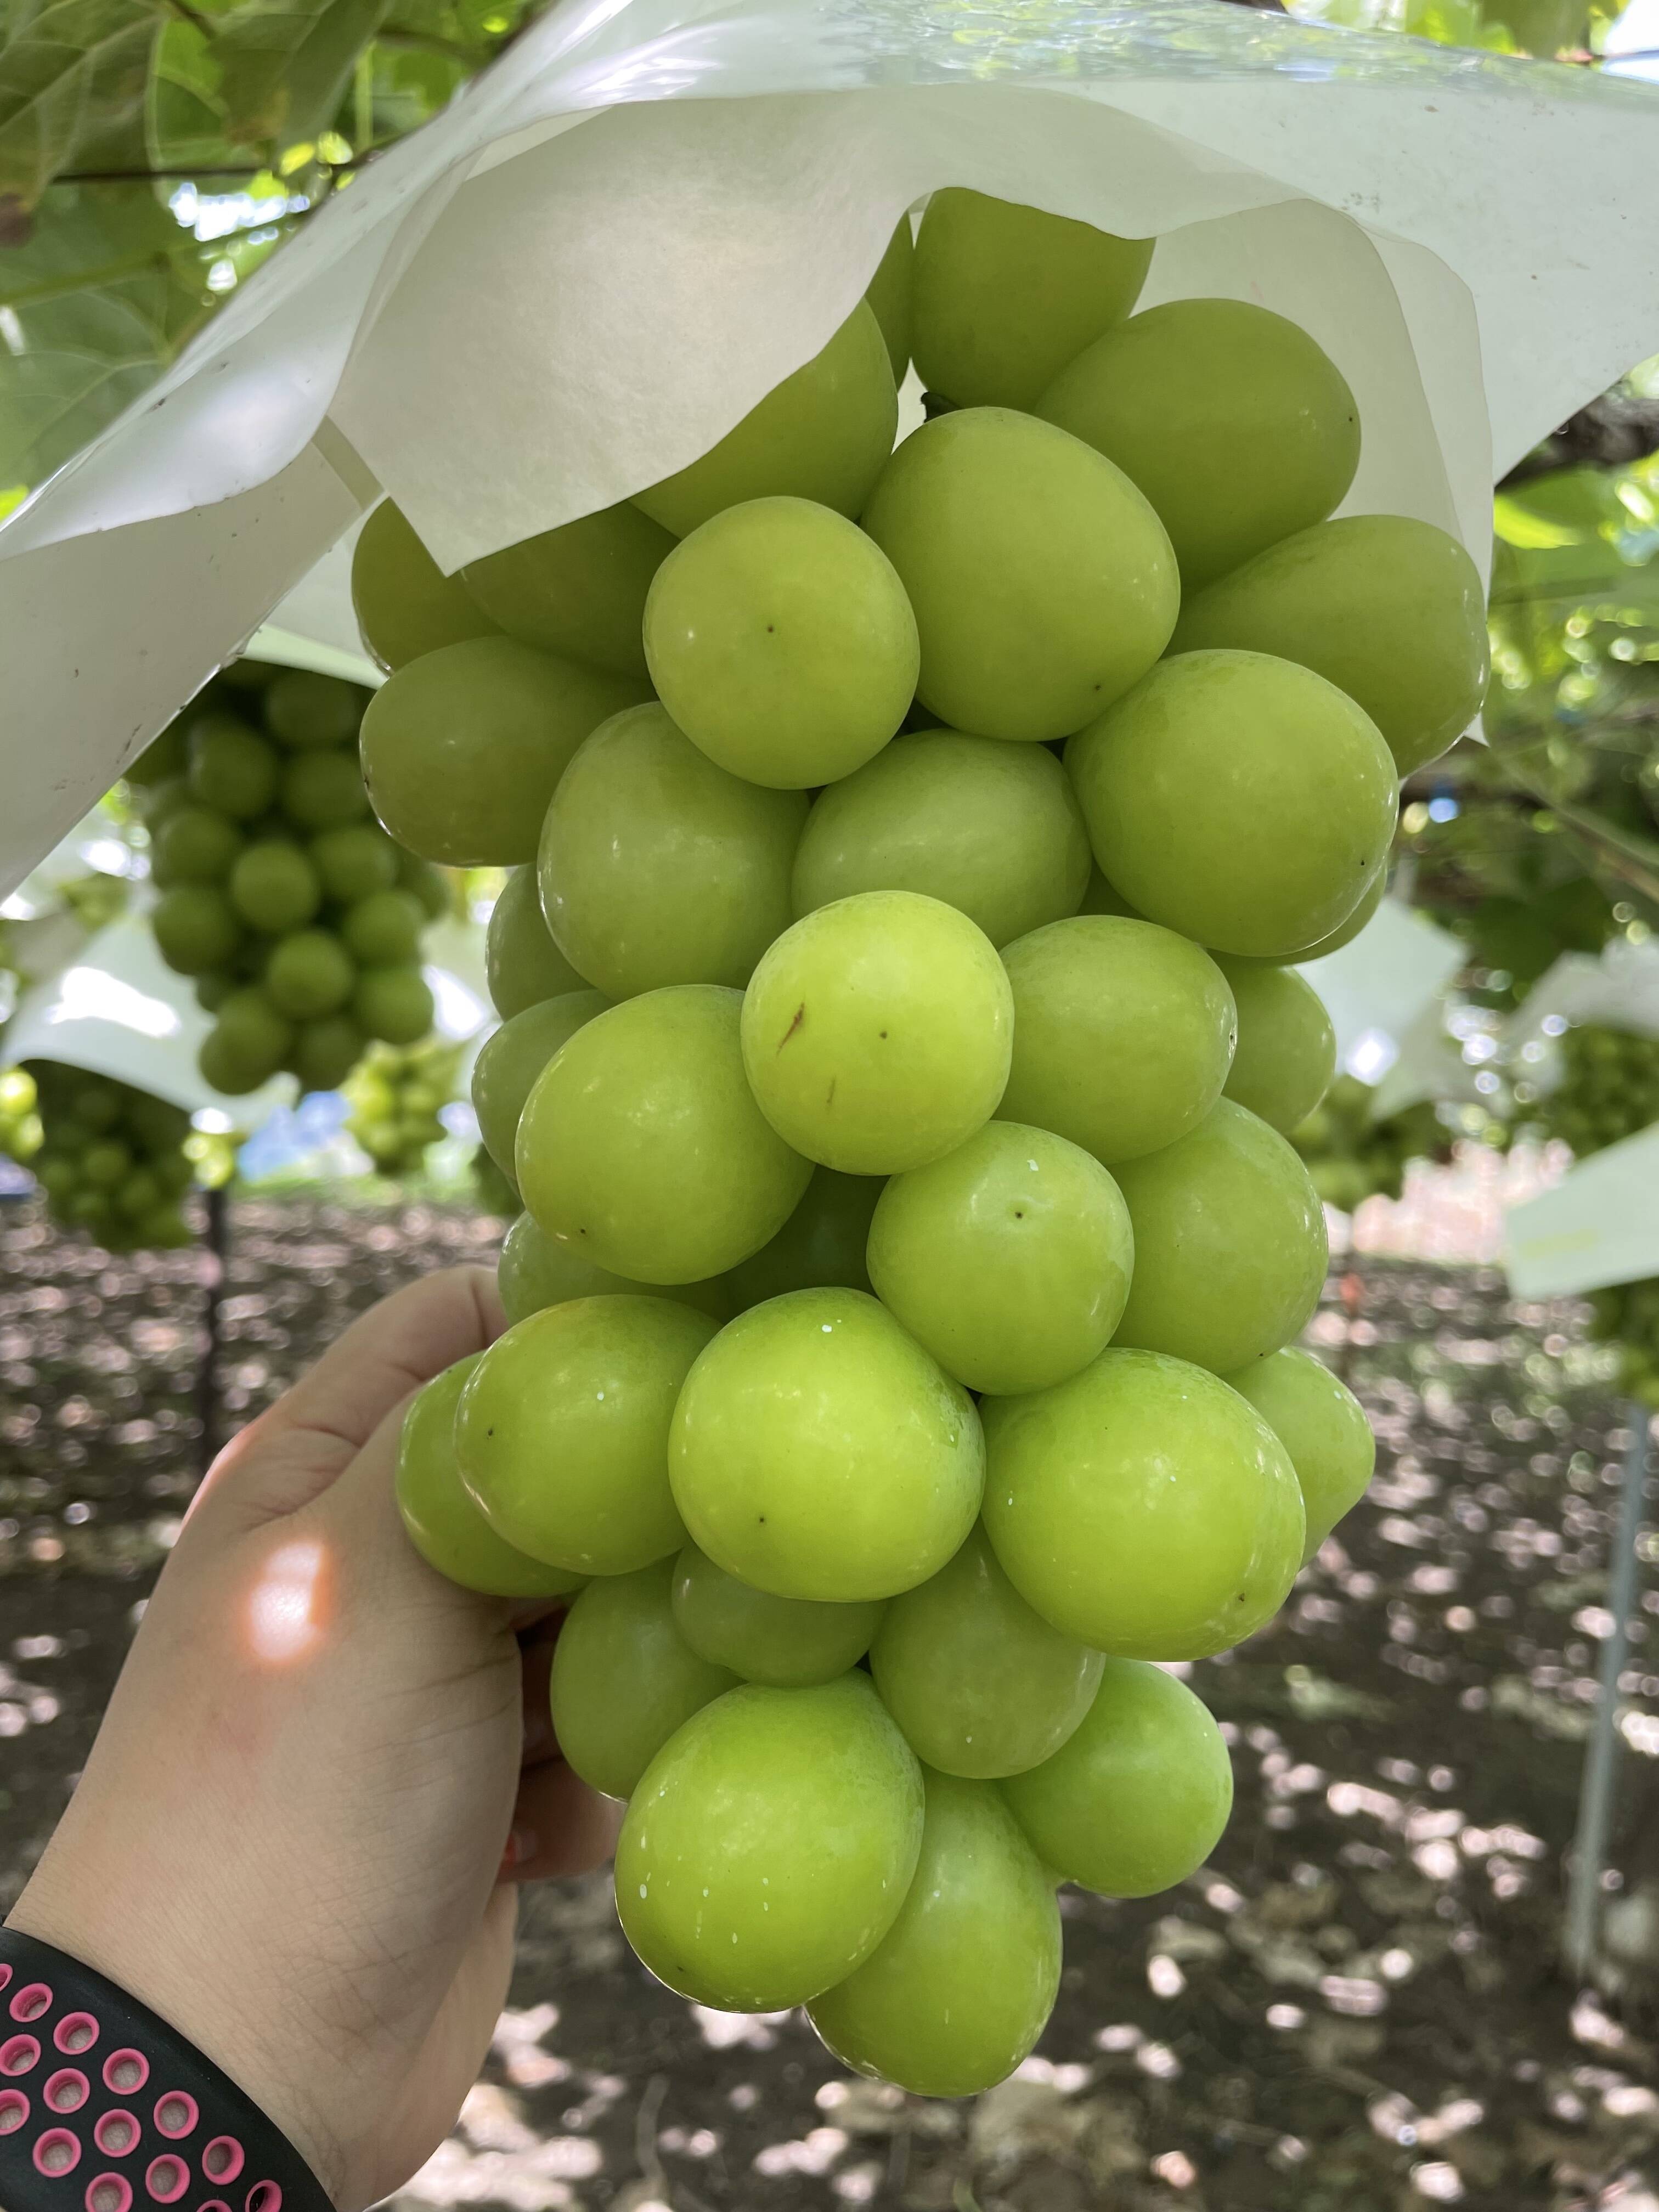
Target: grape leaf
(284,65)
(72,73)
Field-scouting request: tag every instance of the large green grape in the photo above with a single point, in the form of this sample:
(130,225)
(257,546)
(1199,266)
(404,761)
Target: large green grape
(1230,1244)
(275,885)
(1123,1034)
(1240,799)
(1137,1798)
(956,1994)
(249,1041)
(461,749)
(394,1004)
(1143,1507)
(384,930)
(522,963)
(193,845)
(822,434)
(196,928)
(781,641)
(1321,1424)
(1388,609)
(623,1679)
(354,861)
(231,770)
(890,295)
(1344,933)
(992,828)
(404,603)
(980,1684)
(309,974)
(770,1845)
(1004,296)
(642,1146)
(818,1452)
(326,1050)
(1042,582)
(504,1073)
(877,1032)
(304,709)
(1286,1051)
(821,1243)
(322,790)
(578,590)
(657,866)
(534,1271)
(1009,1259)
(1169,391)
(789,1642)
(562,1430)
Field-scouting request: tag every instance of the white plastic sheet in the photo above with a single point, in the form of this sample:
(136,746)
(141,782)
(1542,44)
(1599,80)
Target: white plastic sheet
(1378,988)
(1599,1225)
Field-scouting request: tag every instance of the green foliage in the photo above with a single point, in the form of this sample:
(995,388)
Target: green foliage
(73,74)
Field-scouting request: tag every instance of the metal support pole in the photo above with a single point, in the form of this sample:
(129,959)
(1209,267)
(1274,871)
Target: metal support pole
(213,1287)
(1595,1795)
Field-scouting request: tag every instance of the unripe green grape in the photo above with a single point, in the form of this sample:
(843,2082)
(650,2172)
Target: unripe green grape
(1143,1507)
(817,1451)
(275,887)
(1286,1052)
(193,845)
(231,770)
(780,641)
(992,828)
(1388,609)
(323,790)
(444,1525)
(404,603)
(1138,1796)
(1344,933)
(1042,582)
(790,1641)
(658,867)
(1230,1244)
(877,1032)
(308,974)
(1005,295)
(196,930)
(384,930)
(356,862)
(463,748)
(821,1244)
(981,1685)
(394,1004)
(822,434)
(163,760)
(1123,1034)
(523,964)
(1009,1260)
(504,1074)
(623,1679)
(1321,1424)
(642,1146)
(534,1272)
(325,1052)
(211,991)
(563,1430)
(769,1845)
(140,1194)
(254,1037)
(1153,396)
(578,590)
(955,1995)
(890,295)
(1240,799)
(106,1163)
(303,709)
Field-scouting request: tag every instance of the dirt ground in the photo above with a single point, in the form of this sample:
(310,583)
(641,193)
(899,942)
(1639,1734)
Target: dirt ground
(1356,2006)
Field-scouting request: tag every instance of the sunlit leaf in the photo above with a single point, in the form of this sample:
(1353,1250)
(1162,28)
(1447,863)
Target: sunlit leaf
(72,73)
(285,65)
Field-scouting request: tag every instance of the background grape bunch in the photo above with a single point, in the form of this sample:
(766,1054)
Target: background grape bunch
(395,1094)
(111,1160)
(1609,1091)
(1351,1158)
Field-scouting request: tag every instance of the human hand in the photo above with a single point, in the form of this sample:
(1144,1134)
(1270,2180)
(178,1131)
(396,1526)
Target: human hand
(322,1770)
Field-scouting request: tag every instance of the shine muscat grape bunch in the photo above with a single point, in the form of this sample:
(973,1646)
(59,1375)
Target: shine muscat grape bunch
(110,1158)
(901,1368)
(397,1094)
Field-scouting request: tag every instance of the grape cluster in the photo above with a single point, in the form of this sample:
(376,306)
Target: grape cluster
(20,1129)
(1627,1314)
(395,1094)
(297,917)
(1609,1088)
(1351,1158)
(110,1158)
(900,1362)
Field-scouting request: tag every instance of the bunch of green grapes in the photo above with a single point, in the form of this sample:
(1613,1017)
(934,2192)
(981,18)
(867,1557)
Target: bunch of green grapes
(1627,1314)
(111,1160)
(902,1364)
(1351,1158)
(397,1094)
(297,916)
(20,1129)
(1609,1088)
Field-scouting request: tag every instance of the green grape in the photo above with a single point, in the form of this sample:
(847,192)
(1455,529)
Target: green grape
(394,1004)
(1042,582)
(355,862)
(249,1040)
(404,605)
(578,590)
(822,434)
(780,641)
(562,1430)
(658,867)
(1138,1796)
(990,828)
(1286,1052)
(384,930)
(1123,1034)
(642,1146)
(196,929)
(956,1994)
(1143,1507)
(821,1244)
(1005,295)
(1390,610)
(444,1525)
(303,709)
(326,1051)
(140,1194)
(1009,1260)
(505,1071)
(980,1684)
(534,1271)
(623,1680)
(1321,1424)
(308,974)
(789,1642)
(521,961)
(877,1032)
(1101,897)
(462,748)
(1344,933)
(275,887)
(1152,396)
(193,845)
(323,790)
(890,295)
(1230,1244)
(769,1845)
(231,771)
(163,760)
(818,1452)
(1241,800)
(104,1165)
